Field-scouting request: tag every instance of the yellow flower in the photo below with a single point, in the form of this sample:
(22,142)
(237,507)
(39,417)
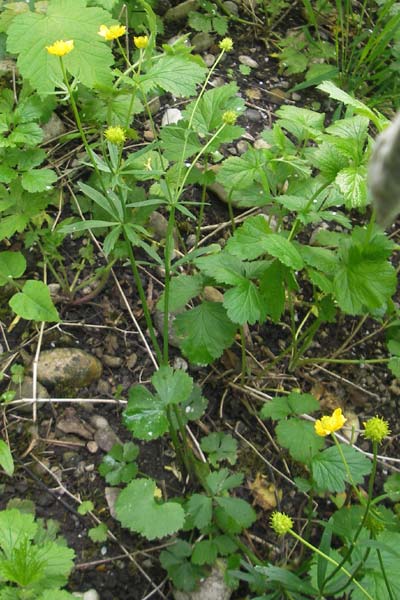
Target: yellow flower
(376,429)
(327,425)
(281,523)
(226,44)
(60,48)
(141,41)
(115,135)
(111,33)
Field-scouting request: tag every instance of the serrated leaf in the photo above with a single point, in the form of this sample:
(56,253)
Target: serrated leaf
(247,241)
(234,514)
(15,528)
(338,94)
(213,104)
(176,138)
(199,508)
(222,481)
(219,446)
(38,180)
(182,289)
(301,122)
(138,510)
(98,534)
(85,507)
(34,303)
(329,472)
(145,415)
(299,438)
(239,172)
(6,459)
(205,552)
(90,61)
(293,404)
(175,74)
(173,386)
(184,575)
(272,290)
(223,267)
(352,182)
(394,366)
(243,303)
(206,331)
(12,265)
(56,595)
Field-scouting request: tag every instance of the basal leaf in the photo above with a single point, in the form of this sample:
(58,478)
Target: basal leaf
(239,172)
(301,122)
(206,331)
(182,289)
(173,386)
(199,508)
(213,104)
(91,58)
(205,552)
(12,265)
(175,138)
(175,74)
(299,438)
(34,303)
(234,514)
(145,414)
(272,290)
(293,404)
(15,528)
(278,246)
(138,510)
(6,459)
(247,241)
(243,303)
(352,182)
(38,180)
(223,267)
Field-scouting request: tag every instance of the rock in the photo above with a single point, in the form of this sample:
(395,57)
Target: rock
(202,41)
(148,135)
(154,105)
(171,115)
(159,225)
(180,364)
(211,294)
(209,59)
(68,366)
(212,587)
(106,438)
(159,324)
(71,423)
(92,447)
(217,82)
(276,95)
(191,240)
(91,595)
(25,390)
(180,12)
(253,93)
(112,361)
(253,115)
(131,360)
(70,458)
(53,128)
(103,388)
(111,494)
(248,61)
(231,6)
(296,97)
(242,146)
(260,144)
(99,422)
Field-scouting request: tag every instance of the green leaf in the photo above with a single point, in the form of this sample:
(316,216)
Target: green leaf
(221,481)
(15,529)
(362,109)
(91,58)
(394,366)
(34,303)
(38,180)
(145,415)
(117,466)
(56,595)
(199,509)
(184,575)
(12,266)
(6,459)
(289,580)
(219,446)
(213,104)
(138,510)
(85,507)
(364,279)
(352,182)
(173,387)
(243,303)
(301,122)
(234,514)
(293,404)
(175,74)
(374,580)
(173,140)
(239,172)
(98,534)
(223,267)
(329,472)
(182,289)
(272,290)
(206,331)
(283,250)
(299,438)
(205,552)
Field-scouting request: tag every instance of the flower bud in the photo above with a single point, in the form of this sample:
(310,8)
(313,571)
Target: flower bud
(115,135)
(141,41)
(281,523)
(376,429)
(226,44)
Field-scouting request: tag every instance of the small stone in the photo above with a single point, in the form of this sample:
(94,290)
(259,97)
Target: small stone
(25,390)
(131,360)
(99,422)
(211,294)
(261,144)
(231,6)
(53,128)
(70,458)
(191,240)
(148,135)
(154,105)
(103,387)
(296,97)
(111,494)
(242,146)
(276,95)
(112,361)
(180,364)
(171,116)
(68,366)
(217,82)
(71,423)
(181,11)
(212,587)
(91,595)
(173,338)
(106,438)
(253,93)
(92,447)
(209,59)
(54,289)
(253,115)
(202,41)
(248,61)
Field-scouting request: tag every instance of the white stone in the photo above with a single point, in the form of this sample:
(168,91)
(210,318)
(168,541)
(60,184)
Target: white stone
(171,115)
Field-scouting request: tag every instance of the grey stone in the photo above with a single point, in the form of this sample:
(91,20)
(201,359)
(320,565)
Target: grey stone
(231,6)
(68,366)
(53,128)
(180,12)
(248,61)
(25,390)
(111,494)
(112,361)
(171,115)
(71,423)
(99,422)
(242,146)
(212,587)
(91,595)
(253,115)
(159,324)
(209,59)
(202,41)
(106,438)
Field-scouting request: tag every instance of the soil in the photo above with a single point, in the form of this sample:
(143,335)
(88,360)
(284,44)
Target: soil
(56,470)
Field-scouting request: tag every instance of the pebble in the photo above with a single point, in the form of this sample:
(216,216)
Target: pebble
(112,361)
(180,364)
(92,447)
(103,387)
(68,366)
(154,105)
(217,82)
(171,116)
(148,135)
(253,115)
(106,438)
(181,11)
(209,59)
(191,240)
(202,41)
(248,61)
(131,360)
(296,97)
(25,390)
(276,95)
(242,146)
(91,595)
(261,144)
(111,494)
(212,587)
(99,422)
(231,6)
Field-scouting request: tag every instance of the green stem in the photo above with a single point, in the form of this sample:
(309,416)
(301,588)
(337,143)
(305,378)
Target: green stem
(344,361)
(143,299)
(169,246)
(331,560)
(382,565)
